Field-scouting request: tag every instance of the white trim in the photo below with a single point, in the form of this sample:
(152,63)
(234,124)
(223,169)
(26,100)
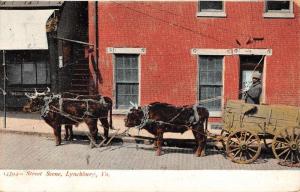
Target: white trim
(211,14)
(139,78)
(126,50)
(120,111)
(238,51)
(222,52)
(215,113)
(278,15)
(264,75)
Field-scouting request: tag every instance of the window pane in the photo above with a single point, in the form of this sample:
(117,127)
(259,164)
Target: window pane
(211,5)
(278,5)
(210,71)
(126,80)
(119,62)
(127,62)
(42,73)
(125,93)
(14,74)
(29,73)
(210,92)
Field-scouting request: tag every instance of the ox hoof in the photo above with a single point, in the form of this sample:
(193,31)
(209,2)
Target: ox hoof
(70,139)
(158,153)
(200,154)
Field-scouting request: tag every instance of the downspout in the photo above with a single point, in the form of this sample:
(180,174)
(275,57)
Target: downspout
(96,47)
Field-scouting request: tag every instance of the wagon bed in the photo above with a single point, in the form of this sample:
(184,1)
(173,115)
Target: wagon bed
(246,125)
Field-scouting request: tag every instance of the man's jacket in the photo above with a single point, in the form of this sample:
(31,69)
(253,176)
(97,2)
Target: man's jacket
(253,94)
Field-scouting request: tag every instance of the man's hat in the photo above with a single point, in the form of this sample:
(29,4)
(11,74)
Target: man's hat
(256,75)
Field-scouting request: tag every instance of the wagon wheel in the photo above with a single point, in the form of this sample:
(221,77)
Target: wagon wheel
(286,145)
(224,135)
(243,146)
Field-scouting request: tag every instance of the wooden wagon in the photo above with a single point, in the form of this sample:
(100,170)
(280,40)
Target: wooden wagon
(246,126)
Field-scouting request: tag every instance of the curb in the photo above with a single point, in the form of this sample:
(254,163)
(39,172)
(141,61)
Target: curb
(125,139)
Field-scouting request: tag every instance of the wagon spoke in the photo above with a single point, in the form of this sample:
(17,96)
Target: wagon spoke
(292,157)
(241,154)
(234,146)
(236,153)
(234,141)
(284,138)
(287,135)
(250,155)
(284,147)
(287,155)
(284,143)
(251,141)
(297,137)
(237,138)
(234,149)
(249,138)
(297,156)
(283,152)
(244,136)
(252,150)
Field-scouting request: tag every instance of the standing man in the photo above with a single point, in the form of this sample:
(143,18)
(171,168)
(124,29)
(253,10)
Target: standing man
(253,94)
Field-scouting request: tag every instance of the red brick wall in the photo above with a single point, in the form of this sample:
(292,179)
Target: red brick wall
(169,30)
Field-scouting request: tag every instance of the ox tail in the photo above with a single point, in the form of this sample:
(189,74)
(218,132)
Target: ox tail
(206,121)
(110,116)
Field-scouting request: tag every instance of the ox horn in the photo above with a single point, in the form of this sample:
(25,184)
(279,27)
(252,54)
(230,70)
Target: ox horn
(38,94)
(131,103)
(29,96)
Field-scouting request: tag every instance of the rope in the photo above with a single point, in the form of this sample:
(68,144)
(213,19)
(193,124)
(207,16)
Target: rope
(262,57)
(210,99)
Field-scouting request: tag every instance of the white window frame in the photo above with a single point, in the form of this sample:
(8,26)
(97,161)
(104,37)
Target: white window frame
(212,52)
(210,13)
(115,51)
(279,14)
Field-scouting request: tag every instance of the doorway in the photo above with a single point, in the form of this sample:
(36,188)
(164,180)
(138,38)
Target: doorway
(248,65)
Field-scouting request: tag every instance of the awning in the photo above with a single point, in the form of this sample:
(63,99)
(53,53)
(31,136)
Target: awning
(23,29)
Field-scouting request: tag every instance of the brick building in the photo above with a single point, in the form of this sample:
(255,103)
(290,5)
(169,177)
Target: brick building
(183,52)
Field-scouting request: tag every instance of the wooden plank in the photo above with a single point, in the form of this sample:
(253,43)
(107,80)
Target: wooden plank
(274,117)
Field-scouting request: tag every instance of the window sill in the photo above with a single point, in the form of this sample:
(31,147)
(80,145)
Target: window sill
(278,15)
(211,14)
(215,113)
(120,111)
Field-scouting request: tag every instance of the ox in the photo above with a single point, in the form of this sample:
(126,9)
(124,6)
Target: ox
(158,118)
(71,109)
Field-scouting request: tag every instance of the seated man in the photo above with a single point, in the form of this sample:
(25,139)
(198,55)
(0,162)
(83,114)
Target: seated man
(253,94)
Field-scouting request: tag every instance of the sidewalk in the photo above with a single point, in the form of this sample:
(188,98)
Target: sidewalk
(31,123)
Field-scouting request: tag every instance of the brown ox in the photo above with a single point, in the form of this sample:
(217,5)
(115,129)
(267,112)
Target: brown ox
(158,118)
(71,109)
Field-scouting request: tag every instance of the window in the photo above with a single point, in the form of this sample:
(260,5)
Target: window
(278,8)
(210,81)
(27,68)
(211,8)
(126,79)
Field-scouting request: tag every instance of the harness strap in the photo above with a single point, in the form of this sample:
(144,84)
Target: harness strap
(196,115)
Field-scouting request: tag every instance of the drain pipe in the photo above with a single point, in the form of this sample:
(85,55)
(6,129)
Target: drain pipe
(96,46)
